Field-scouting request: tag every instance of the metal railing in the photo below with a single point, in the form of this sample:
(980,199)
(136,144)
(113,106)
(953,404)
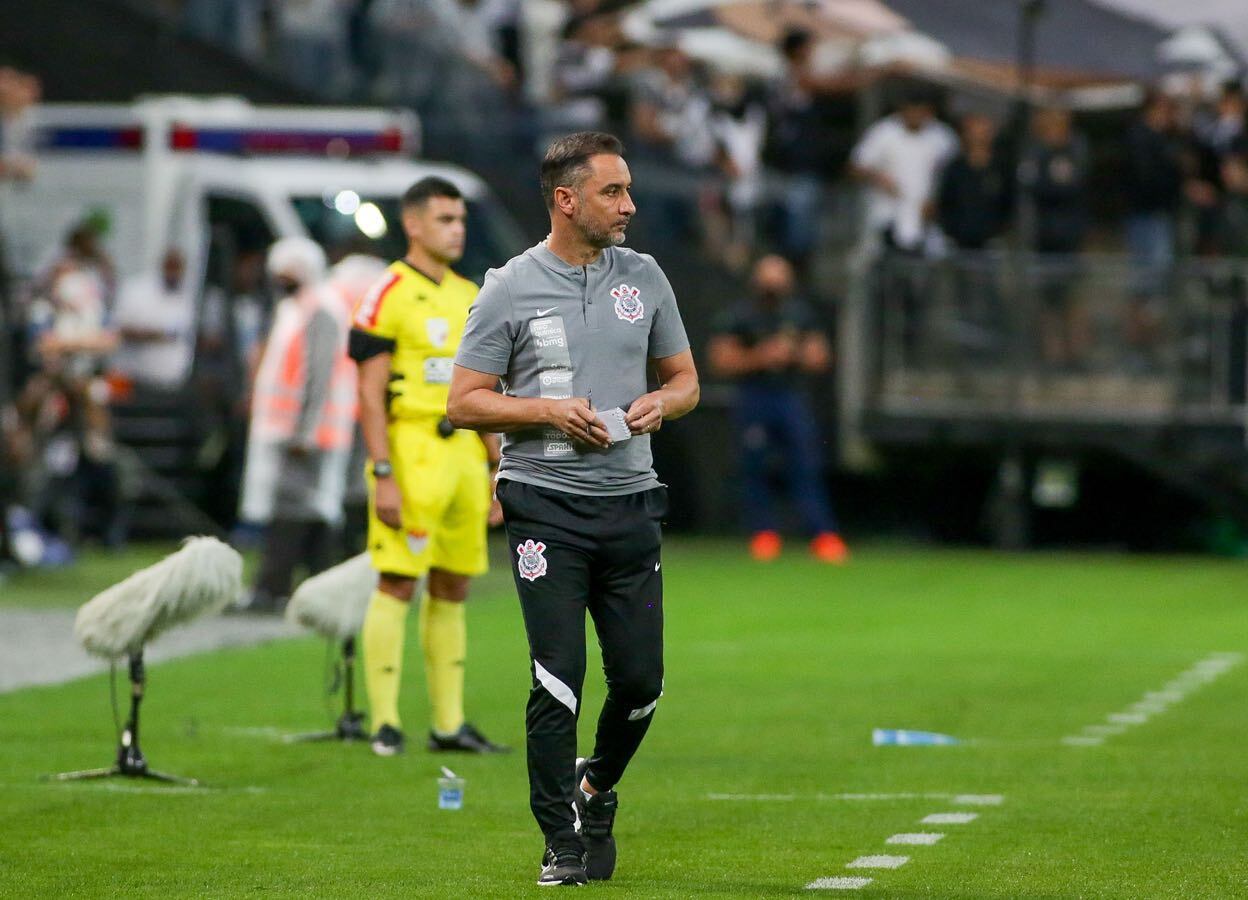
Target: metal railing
(1054,338)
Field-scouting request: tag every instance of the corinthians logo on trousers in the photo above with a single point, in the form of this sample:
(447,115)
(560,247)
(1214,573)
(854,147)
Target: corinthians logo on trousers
(531,564)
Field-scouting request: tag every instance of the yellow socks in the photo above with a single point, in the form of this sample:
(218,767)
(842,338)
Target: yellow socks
(384,626)
(444,639)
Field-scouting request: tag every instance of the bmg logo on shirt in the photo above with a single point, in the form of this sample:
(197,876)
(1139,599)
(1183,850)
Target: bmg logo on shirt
(628,305)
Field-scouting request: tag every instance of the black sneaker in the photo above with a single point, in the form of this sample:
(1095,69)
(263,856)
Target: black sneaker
(596,817)
(563,864)
(388,741)
(466,740)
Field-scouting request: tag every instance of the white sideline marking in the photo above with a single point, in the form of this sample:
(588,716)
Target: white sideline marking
(878,861)
(910,838)
(957,818)
(1104,730)
(262,731)
(840,883)
(1176,690)
(923,838)
(961,799)
(1081,740)
(122,787)
(979,799)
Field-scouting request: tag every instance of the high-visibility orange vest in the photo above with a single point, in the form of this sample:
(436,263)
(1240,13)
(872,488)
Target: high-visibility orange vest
(282,375)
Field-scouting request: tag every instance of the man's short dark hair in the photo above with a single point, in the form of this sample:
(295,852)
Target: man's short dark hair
(433,186)
(794,40)
(566,163)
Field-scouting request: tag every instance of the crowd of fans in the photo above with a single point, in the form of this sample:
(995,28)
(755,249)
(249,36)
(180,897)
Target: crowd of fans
(737,165)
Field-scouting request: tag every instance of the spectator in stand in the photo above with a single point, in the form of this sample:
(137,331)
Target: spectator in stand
(1215,138)
(974,201)
(73,339)
(443,57)
(154,321)
(311,41)
(483,29)
(738,123)
(800,144)
(1054,175)
(1153,183)
(900,158)
(236,25)
(768,344)
(71,317)
(1224,133)
(975,195)
(1234,175)
(19,93)
(671,111)
(670,115)
(584,70)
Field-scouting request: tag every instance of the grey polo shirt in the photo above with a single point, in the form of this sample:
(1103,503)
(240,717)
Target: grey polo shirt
(551,329)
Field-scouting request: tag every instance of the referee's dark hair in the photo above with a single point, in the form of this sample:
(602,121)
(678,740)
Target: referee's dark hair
(566,163)
(432,186)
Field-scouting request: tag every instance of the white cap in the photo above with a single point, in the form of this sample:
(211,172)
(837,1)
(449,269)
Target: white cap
(300,259)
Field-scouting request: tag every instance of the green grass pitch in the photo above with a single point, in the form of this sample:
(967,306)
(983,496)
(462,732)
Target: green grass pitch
(776,676)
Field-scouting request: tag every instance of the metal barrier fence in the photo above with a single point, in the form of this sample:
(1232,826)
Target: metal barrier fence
(1031,337)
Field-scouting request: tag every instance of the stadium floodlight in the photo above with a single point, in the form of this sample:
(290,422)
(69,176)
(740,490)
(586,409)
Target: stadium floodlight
(333,603)
(201,578)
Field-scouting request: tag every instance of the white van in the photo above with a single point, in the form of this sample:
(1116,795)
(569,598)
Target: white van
(219,178)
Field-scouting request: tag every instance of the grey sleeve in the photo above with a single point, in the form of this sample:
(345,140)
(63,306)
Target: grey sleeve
(489,335)
(667,334)
(321,341)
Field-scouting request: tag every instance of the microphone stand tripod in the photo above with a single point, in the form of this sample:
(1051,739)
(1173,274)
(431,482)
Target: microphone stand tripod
(131,763)
(350,725)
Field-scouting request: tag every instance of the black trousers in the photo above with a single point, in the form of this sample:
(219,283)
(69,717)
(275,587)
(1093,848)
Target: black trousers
(288,543)
(571,554)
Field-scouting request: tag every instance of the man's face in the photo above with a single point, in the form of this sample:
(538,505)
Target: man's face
(978,132)
(603,206)
(773,278)
(915,115)
(1053,127)
(1230,104)
(439,226)
(172,269)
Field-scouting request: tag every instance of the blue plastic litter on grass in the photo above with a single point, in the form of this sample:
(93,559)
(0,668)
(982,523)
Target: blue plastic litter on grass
(904,737)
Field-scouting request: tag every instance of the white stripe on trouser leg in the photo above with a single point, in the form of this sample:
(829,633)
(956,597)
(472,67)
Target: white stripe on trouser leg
(557,688)
(644,711)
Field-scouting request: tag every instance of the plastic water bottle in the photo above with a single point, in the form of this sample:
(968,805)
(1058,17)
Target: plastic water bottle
(904,737)
(450,790)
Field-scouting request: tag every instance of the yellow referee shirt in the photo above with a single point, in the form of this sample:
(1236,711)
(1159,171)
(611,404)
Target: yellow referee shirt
(421,321)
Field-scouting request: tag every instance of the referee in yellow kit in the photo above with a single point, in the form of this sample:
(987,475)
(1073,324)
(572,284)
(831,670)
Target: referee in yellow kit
(429,484)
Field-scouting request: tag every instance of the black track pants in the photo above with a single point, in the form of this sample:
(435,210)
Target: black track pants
(571,553)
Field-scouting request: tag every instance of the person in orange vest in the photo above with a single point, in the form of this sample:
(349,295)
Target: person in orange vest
(303,413)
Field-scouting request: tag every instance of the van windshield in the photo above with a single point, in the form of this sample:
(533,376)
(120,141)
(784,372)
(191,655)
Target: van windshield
(346,222)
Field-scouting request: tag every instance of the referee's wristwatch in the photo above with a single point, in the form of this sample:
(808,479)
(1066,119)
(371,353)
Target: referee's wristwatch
(382,469)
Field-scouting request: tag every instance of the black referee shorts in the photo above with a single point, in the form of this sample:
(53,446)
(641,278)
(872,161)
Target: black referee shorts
(570,554)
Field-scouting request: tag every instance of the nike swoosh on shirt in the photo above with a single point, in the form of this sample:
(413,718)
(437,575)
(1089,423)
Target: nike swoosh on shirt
(546,312)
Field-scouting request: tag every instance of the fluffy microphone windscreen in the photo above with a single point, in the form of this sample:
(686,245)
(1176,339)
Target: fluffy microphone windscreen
(202,577)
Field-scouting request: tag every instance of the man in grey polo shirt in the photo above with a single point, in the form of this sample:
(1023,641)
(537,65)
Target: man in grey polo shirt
(571,328)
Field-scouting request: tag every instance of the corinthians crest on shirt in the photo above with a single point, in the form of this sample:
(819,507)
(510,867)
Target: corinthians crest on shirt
(628,305)
(531,564)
